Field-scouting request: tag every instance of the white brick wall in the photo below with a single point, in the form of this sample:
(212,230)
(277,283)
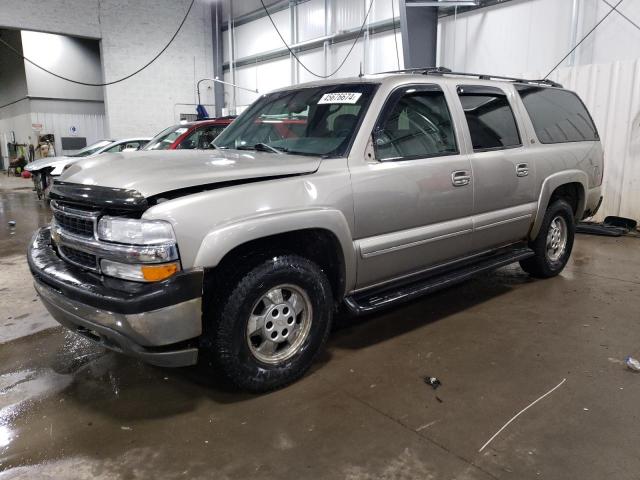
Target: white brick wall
(146,103)
(132,32)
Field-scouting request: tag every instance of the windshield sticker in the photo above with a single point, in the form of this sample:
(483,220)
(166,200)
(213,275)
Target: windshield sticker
(338,97)
(180,131)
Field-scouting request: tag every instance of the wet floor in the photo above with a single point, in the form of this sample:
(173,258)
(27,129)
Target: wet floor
(71,410)
(20,214)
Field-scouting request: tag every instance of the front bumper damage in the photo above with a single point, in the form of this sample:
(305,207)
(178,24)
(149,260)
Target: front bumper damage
(158,323)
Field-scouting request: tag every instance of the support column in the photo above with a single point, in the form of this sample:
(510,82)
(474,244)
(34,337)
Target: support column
(419,26)
(218,56)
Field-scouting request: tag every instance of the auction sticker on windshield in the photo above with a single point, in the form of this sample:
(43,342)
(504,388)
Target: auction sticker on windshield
(339,97)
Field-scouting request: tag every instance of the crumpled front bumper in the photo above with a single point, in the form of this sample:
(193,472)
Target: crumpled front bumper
(156,322)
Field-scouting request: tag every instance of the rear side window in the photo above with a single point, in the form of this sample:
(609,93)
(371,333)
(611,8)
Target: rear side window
(492,124)
(558,116)
(414,124)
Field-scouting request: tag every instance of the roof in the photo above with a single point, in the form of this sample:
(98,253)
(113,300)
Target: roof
(440,74)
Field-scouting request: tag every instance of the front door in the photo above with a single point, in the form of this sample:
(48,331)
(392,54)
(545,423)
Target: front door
(414,201)
(503,170)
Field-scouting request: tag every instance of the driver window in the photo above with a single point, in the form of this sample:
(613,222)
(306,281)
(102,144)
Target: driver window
(418,125)
(191,140)
(207,137)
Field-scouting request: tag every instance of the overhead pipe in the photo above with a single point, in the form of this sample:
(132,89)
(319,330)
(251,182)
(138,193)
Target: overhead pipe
(574,30)
(216,79)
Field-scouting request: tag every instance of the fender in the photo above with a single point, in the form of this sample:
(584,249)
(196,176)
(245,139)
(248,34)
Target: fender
(224,238)
(548,187)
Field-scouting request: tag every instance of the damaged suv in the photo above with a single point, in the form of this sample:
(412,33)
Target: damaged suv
(394,186)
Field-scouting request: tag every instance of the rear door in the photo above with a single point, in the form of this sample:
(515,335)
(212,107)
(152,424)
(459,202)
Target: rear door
(413,201)
(504,183)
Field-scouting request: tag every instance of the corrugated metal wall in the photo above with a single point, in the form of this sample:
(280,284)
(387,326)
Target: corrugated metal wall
(90,126)
(527,38)
(612,94)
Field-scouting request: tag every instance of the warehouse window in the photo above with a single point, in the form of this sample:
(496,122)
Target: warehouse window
(415,124)
(492,125)
(557,115)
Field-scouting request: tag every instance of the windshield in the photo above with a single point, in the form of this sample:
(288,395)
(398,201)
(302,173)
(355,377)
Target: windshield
(165,138)
(309,121)
(91,149)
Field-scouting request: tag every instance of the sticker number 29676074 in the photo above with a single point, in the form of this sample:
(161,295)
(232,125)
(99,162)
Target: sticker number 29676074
(340,97)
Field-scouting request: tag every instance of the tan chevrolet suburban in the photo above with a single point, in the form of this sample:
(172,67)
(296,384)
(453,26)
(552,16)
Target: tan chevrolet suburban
(394,185)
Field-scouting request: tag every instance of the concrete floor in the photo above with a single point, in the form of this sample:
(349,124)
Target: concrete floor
(70,410)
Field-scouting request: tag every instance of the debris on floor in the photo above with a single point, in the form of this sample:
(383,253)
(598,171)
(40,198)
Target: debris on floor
(611,227)
(12,223)
(632,363)
(520,413)
(433,381)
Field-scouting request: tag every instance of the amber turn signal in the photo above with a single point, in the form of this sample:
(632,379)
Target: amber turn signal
(155,273)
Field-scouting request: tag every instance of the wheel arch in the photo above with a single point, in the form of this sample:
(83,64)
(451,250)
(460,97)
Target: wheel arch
(570,185)
(322,236)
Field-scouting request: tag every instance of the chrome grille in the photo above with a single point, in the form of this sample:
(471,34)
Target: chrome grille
(75,221)
(74,225)
(79,258)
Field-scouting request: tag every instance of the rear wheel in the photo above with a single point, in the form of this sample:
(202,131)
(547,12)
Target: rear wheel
(271,327)
(554,242)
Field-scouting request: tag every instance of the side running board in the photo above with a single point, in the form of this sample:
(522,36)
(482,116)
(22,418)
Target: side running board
(378,299)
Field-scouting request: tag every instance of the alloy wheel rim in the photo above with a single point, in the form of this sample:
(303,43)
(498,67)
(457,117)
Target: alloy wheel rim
(557,239)
(279,324)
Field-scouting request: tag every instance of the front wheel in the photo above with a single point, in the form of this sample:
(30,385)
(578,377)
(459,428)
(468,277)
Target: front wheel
(554,242)
(273,324)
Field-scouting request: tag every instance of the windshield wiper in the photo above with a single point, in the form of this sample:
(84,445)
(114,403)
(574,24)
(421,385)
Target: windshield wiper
(265,147)
(261,147)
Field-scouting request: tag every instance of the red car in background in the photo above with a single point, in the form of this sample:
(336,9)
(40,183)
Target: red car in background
(200,134)
(189,135)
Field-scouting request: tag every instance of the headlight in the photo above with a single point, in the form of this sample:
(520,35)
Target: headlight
(135,232)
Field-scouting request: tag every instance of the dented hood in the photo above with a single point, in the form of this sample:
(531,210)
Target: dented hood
(153,172)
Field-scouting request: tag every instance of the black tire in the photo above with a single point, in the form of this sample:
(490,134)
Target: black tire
(227,343)
(541,265)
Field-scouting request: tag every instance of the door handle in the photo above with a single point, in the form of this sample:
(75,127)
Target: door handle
(522,169)
(460,178)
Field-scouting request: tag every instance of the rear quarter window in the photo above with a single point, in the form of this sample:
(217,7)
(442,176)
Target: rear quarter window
(558,116)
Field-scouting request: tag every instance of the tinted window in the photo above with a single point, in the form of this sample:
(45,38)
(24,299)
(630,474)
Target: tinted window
(557,115)
(492,124)
(417,124)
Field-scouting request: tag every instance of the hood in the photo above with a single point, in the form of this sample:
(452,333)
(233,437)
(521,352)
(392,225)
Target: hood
(49,162)
(153,172)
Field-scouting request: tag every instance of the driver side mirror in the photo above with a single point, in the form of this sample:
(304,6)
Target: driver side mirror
(381,144)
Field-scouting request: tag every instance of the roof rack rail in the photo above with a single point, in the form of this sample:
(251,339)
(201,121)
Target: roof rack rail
(446,71)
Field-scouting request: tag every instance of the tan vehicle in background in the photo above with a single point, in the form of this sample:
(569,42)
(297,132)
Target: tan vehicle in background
(394,186)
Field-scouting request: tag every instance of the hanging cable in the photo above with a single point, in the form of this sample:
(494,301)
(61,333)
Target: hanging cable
(15,101)
(623,15)
(613,9)
(300,61)
(105,83)
(395,33)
